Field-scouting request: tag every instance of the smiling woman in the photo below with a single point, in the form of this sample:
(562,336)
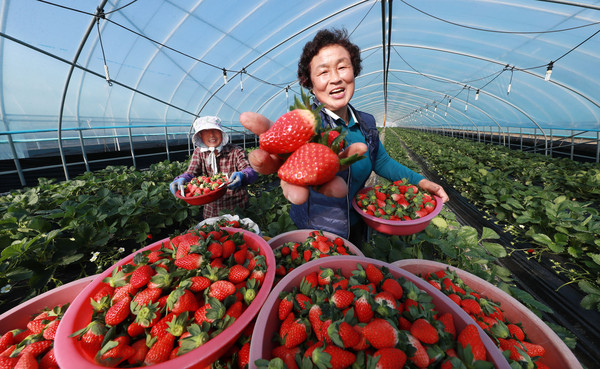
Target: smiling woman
(328,66)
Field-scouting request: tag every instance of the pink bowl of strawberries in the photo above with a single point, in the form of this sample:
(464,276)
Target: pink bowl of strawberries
(177,303)
(512,325)
(203,190)
(396,209)
(342,311)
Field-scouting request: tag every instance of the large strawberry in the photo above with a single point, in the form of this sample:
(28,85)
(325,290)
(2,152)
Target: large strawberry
(293,129)
(313,164)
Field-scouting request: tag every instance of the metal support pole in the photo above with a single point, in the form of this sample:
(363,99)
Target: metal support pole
(64,95)
(16,160)
(521,137)
(535,140)
(551,141)
(167,143)
(598,147)
(131,147)
(82,143)
(572,144)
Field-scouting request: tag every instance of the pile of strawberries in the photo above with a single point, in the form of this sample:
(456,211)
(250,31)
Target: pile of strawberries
(291,255)
(32,346)
(509,336)
(171,300)
(203,185)
(310,154)
(368,319)
(399,200)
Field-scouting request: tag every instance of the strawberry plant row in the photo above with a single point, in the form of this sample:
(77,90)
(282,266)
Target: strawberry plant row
(559,226)
(57,232)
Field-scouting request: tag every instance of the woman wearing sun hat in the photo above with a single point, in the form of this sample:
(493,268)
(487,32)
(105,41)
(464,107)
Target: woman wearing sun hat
(213,153)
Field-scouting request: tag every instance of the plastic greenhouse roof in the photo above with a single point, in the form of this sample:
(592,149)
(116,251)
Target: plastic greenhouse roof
(166,60)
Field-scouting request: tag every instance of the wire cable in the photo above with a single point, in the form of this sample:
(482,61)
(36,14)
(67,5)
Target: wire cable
(497,31)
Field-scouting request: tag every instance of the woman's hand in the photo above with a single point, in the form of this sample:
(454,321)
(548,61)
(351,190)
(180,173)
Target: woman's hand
(265,163)
(434,189)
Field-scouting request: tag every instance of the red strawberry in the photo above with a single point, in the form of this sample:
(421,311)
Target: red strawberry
(27,361)
(8,362)
(141,349)
(447,320)
(141,276)
(470,337)
(181,300)
(516,331)
(337,358)
(190,261)
(244,356)
(311,164)
(6,340)
(314,317)
(292,129)
(91,337)
(113,353)
(363,309)
(50,330)
(221,289)
(160,350)
(392,286)
(48,361)
(424,331)
(530,349)
(238,273)
(470,306)
(287,355)
(420,357)
(295,334)
(349,336)
(374,274)
(342,298)
(285,306)
(389,358)
(118,312)
(381,334)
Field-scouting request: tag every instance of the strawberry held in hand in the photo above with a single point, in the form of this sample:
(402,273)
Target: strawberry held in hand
(314,163)
(293,129)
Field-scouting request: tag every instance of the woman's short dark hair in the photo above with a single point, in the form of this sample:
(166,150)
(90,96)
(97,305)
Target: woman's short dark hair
(324,38)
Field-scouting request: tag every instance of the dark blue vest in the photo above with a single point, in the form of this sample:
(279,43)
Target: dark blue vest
(330,213)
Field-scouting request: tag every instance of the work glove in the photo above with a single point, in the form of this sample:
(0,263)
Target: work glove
(174,186)
(235,181)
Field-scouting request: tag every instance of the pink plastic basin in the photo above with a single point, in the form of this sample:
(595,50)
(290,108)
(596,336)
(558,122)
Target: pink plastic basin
(398,227)
(19,316)
(261,344)
(203,199)
(557,355)
(301,235)
(70,355)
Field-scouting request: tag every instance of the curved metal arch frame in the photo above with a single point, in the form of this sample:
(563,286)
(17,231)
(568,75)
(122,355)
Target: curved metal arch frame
(486,93)
(440,93)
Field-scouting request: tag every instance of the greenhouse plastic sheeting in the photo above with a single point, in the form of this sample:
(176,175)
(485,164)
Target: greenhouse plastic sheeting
(425,63)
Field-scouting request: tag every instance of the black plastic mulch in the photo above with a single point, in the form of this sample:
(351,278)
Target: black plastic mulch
(538,279)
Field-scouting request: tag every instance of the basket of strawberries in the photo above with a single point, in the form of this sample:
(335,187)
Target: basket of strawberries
(513,327)
(203,190)
(177,303)
(366,314)
(398,208)
(298,247)
(27,331)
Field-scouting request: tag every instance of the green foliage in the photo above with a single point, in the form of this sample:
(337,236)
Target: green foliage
(551,203)
(49,233)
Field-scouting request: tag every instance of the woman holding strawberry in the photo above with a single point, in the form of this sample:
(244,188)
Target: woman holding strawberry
(328,67)
(213,153)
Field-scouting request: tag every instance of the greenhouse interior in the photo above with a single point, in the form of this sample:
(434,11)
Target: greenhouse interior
(151,200)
